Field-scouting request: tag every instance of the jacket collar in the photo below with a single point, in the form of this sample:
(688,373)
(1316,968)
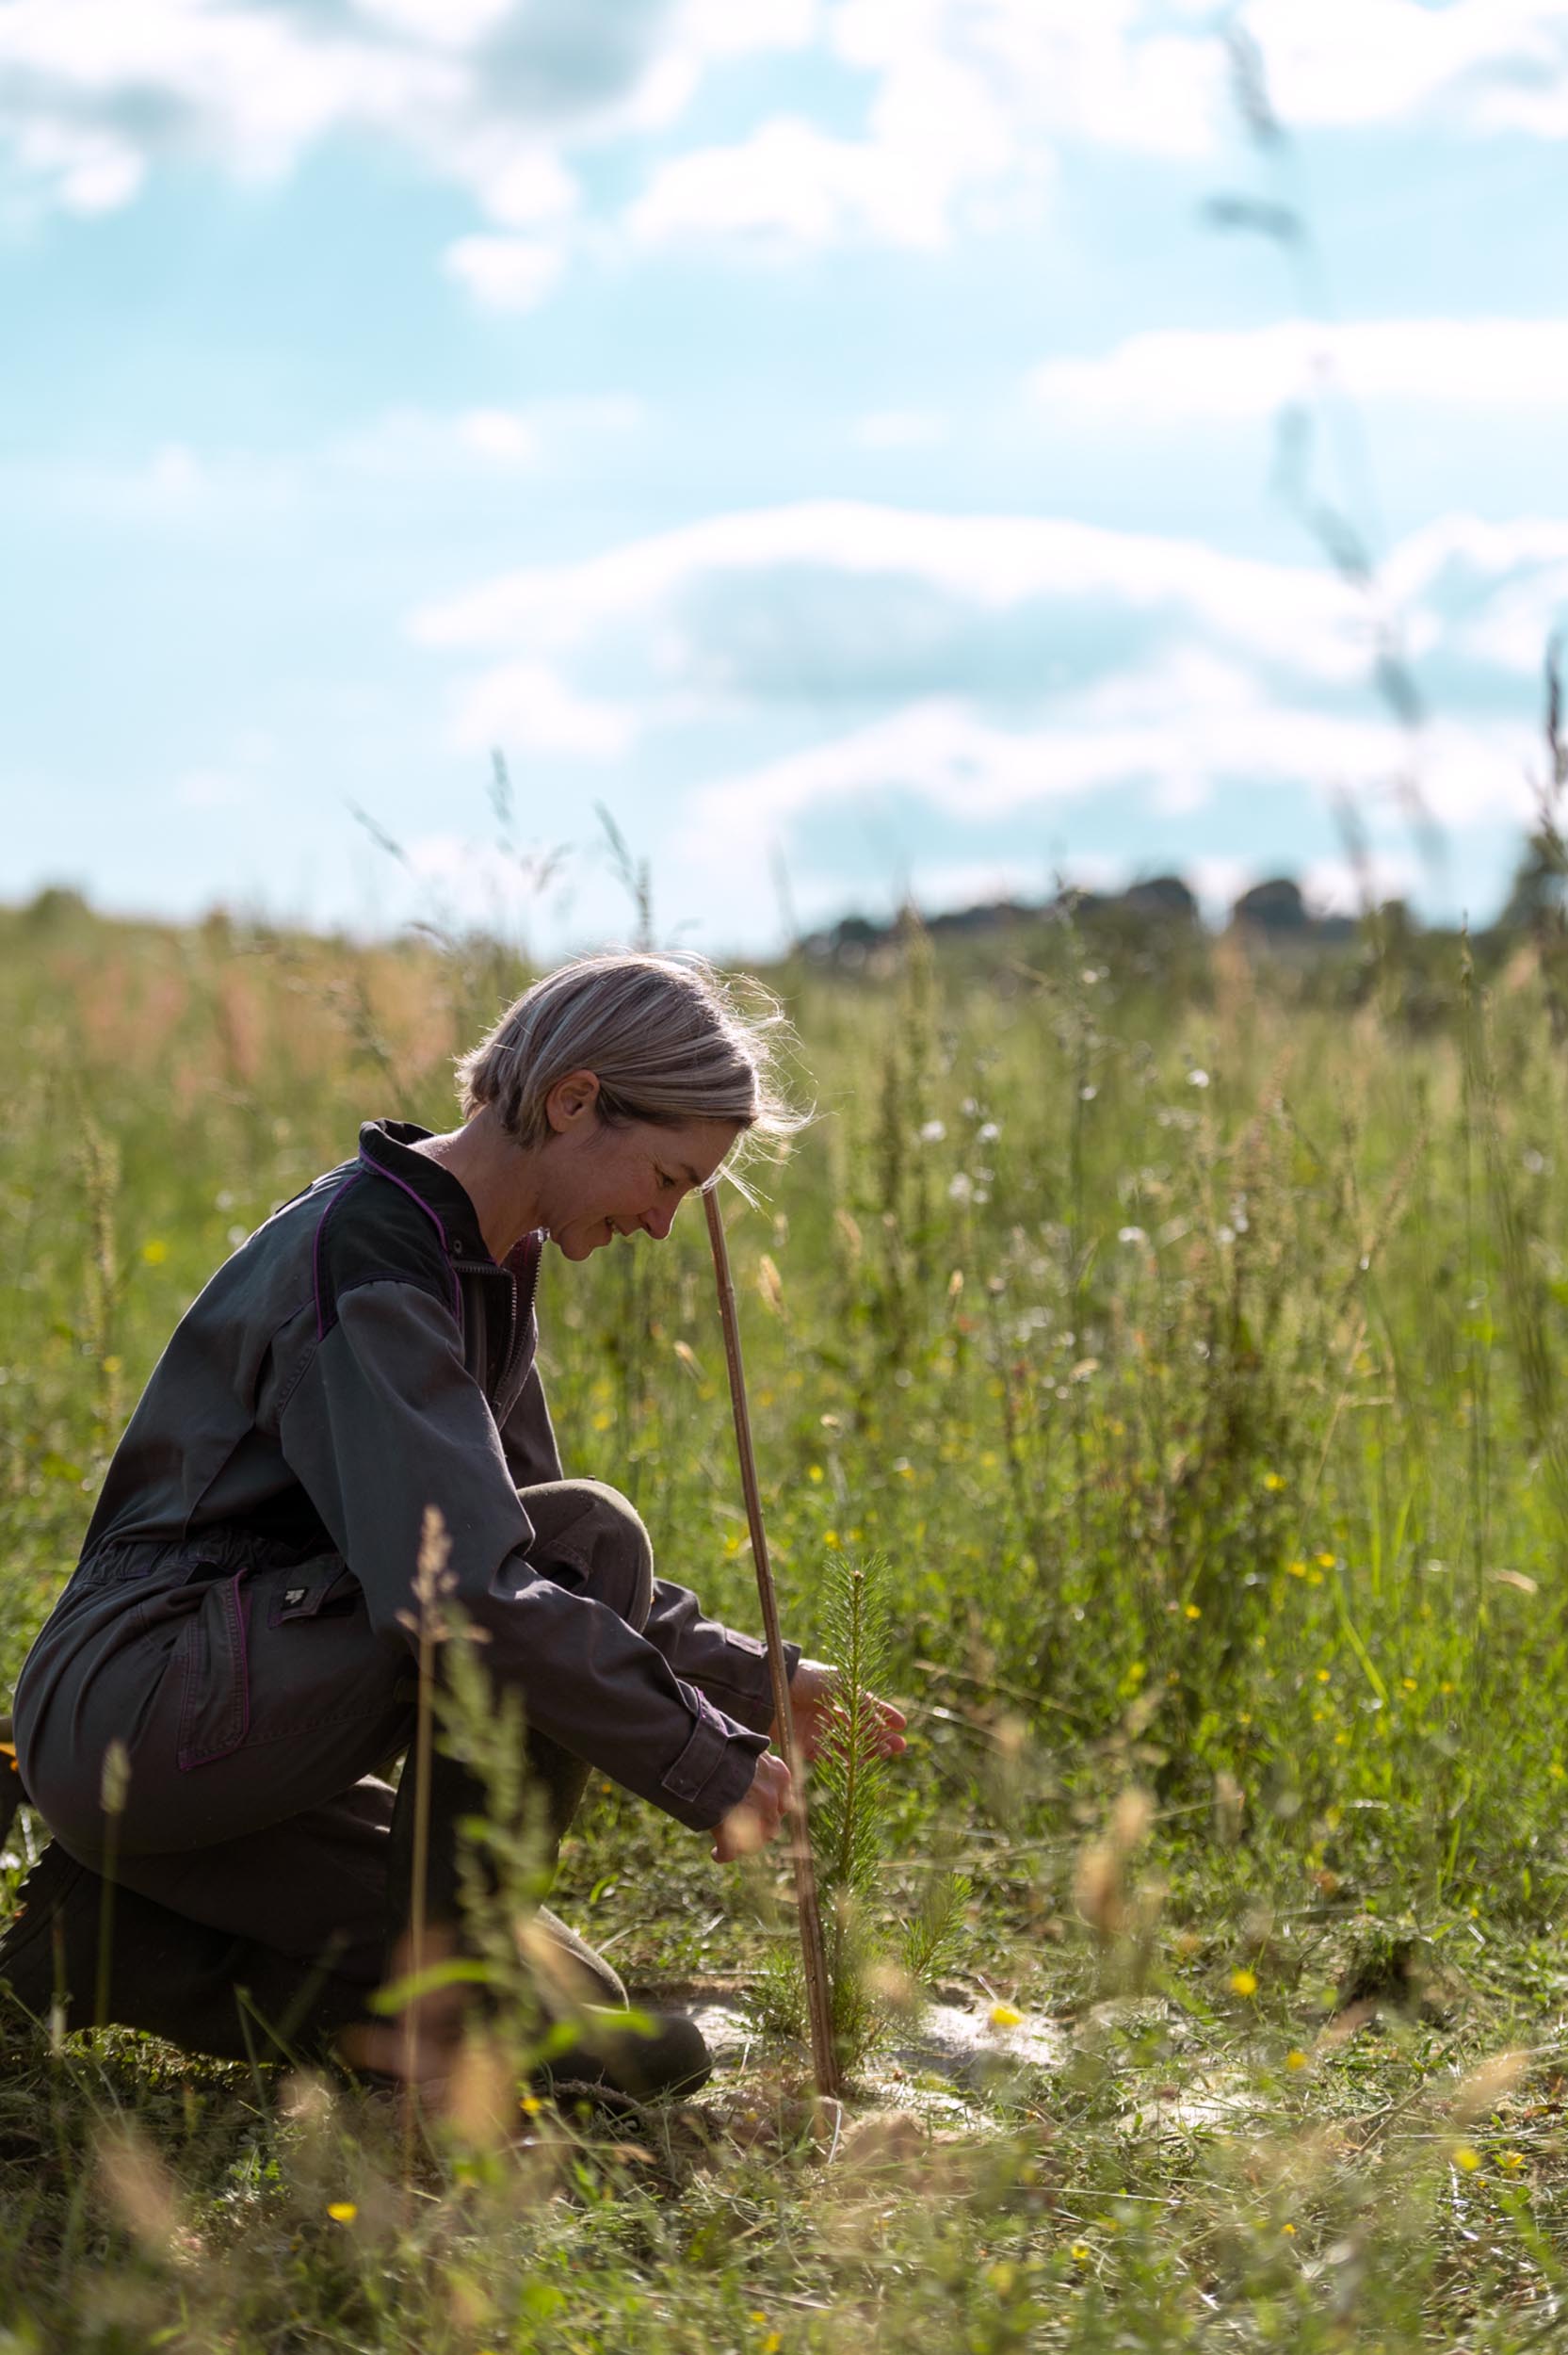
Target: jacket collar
(386,1146)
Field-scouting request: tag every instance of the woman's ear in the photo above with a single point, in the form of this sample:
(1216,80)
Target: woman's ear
(573,1102)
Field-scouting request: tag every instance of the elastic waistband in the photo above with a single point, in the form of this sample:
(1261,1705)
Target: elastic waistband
(220,1550)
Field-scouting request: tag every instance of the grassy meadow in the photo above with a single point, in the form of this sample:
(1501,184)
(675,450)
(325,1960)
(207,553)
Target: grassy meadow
(1184,1330)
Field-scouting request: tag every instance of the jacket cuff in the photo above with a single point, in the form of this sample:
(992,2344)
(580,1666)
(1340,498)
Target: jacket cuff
(740,1680)
(714,1772)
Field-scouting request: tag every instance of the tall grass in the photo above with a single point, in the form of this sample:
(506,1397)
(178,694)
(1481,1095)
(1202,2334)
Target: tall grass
(1186,1336)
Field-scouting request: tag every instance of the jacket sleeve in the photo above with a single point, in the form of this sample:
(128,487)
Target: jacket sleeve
(729,1668)
(386,1419)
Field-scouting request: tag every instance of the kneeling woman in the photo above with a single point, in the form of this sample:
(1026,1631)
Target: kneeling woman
(239,1618)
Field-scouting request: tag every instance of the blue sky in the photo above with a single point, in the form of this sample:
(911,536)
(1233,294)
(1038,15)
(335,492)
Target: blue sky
(832,435)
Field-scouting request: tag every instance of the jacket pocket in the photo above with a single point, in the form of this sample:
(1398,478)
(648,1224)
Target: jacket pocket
(215,1682)
(323,1589)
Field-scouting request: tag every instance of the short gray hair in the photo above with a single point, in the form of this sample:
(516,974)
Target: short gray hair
(668,1039)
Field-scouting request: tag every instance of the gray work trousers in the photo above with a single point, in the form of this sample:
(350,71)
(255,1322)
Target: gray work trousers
(256,1704)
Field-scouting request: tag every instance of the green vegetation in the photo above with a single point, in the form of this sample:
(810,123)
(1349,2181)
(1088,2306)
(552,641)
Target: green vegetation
(1185,1329)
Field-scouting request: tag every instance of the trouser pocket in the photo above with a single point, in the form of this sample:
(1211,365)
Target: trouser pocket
(215,1685)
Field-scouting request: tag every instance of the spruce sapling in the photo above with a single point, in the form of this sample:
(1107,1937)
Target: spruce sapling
(851,1782)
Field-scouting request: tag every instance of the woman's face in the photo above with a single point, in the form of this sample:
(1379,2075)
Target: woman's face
(598,1181)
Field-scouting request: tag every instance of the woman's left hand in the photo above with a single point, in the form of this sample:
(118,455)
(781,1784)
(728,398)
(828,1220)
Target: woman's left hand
(813,1694)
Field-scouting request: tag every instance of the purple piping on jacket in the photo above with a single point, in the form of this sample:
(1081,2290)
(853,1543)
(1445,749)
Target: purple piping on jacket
(316,1248)
(377,1171)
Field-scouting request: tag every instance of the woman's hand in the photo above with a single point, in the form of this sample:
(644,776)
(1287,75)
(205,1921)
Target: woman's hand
(755,1821)
(814,1694)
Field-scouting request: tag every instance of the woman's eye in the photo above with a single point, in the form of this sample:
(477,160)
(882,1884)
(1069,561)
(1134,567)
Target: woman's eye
(665,1179)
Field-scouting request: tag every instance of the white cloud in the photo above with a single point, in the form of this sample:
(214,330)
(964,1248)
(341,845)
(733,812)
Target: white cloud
(525,189)
(967,102)
(989,563)
(944,124)
(1117,73)
(975,882)
(1341,887)
(1484,64)
(491,95)
(1516,634)
(854,600)
(1218,878)
(1178,754)
(1169,375)
(528,706)
(447,23)
(915,653)
(1488,551)
(970,101)
(1501,588)
(505,273)
(791,185)
(718,28)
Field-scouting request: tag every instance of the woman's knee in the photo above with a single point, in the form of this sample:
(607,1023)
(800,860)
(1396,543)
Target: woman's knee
(589,1527)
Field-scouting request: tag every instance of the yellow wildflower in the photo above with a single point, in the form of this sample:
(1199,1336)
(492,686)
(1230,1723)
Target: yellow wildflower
(1244,1981)
(343,2211)
(1004,2016)
(1296,2059)
(1466,2158)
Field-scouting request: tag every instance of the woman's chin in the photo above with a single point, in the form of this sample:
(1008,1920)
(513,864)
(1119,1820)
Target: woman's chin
(580,1243)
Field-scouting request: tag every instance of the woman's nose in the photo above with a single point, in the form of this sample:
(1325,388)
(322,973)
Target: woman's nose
(658,1221)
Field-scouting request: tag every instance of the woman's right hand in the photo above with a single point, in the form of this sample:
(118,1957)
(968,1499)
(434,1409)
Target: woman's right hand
(755,1819)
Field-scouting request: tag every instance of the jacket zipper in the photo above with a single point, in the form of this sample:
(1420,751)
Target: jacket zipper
(521,1306)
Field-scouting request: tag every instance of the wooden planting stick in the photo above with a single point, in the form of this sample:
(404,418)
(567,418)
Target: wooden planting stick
(819,2008)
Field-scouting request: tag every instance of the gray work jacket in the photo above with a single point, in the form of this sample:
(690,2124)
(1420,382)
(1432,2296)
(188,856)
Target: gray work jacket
(361,1356)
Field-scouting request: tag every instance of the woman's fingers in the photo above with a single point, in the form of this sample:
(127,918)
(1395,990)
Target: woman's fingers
(885,1734)
(816,1693)
(756,1820)
(890,1739)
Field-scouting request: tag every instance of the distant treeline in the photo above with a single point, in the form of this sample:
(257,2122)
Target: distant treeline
(1275,913)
